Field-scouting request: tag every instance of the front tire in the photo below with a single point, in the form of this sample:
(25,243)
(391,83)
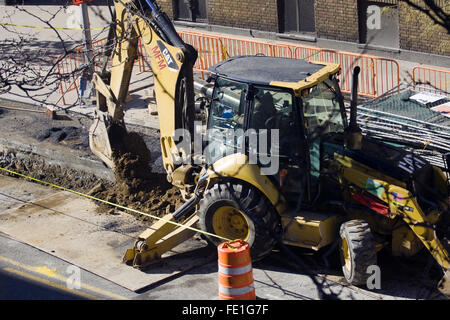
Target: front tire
(236,211)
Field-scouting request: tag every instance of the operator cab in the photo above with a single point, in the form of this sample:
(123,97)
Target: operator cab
(275,110)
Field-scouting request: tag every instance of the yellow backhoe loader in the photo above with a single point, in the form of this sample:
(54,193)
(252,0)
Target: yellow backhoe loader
(278,160)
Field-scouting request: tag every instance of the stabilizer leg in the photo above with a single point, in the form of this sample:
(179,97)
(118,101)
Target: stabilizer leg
(157,240)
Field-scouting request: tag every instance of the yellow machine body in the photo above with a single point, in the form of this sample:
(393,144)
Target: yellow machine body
(404,218)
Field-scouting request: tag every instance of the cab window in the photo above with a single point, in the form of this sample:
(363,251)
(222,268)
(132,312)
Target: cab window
(226,119)
(321,110)
(273,110)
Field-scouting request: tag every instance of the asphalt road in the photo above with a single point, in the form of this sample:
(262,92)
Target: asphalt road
(28,273)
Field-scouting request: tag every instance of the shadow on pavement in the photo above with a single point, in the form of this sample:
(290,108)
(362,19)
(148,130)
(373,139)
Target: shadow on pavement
(15,287)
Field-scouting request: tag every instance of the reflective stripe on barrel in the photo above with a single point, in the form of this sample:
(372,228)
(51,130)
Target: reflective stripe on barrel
(236,291)
(235,271)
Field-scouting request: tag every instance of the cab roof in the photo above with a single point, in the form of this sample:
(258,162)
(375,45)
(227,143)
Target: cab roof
(273,71)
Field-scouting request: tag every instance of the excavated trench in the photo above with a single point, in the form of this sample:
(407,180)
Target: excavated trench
(57,152)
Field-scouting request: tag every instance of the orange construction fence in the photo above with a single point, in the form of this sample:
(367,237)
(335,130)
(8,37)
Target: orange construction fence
(430,78)
(69,65)
(377,75)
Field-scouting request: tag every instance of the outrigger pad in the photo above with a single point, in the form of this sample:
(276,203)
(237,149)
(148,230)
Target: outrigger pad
(156,241)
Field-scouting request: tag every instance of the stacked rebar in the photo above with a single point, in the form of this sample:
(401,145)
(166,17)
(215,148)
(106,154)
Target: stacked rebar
(397,119)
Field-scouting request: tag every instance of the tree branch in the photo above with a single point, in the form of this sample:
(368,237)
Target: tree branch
(433,11)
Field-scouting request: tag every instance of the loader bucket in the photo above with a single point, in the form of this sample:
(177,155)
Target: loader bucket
(102,134)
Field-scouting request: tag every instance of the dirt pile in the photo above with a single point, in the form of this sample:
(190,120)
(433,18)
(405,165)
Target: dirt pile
(136,186)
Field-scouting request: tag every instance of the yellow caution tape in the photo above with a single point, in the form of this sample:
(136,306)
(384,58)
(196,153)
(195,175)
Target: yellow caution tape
(37,27)
(114,204)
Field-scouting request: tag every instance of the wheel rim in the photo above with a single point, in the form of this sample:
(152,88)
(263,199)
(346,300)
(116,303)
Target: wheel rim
(346,255)
(231,223)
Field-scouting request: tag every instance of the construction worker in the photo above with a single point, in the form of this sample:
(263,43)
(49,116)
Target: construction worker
(263,111)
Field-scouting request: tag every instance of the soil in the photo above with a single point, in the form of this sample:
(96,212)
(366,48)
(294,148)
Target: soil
(36,167)
(136,186)
(153,196)
(140,178)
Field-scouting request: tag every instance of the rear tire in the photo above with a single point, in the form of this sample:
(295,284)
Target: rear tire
(237,211)
(357,251)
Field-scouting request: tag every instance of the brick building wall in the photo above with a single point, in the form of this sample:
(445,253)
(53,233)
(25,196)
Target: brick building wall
(167,7)
(334,19)
(249,14)
(337,19)
(419,33)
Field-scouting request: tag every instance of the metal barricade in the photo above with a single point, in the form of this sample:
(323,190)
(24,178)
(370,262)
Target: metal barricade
(431,79)
(210,49)
(377,76)
(69,66)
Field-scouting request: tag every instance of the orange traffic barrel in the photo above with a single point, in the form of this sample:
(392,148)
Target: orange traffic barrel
(235,271)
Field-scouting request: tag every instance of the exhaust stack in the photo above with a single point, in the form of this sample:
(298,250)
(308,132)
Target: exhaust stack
(353,132)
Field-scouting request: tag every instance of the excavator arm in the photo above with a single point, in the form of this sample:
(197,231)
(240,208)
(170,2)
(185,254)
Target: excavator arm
(172,63)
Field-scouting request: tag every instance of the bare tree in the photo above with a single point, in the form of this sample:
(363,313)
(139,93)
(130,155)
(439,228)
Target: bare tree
(32,65)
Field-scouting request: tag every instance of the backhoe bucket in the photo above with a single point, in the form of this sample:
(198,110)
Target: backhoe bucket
(102,133)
